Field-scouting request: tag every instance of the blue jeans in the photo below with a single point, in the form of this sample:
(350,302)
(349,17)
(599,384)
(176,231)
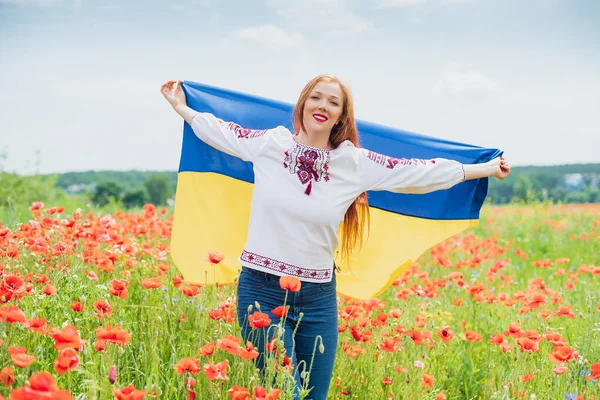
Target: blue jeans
(317,302)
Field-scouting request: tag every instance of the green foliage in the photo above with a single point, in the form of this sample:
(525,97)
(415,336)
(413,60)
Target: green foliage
(105,191)
(541,183)
(18,192)
(158,188)
(128,179)
(136,197)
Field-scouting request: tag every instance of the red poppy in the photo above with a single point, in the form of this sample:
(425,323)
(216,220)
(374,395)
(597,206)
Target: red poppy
(49,290)
(280,311)
(115,335)
(36,205)
(207,349)
(561,369)
(100,345)
(259,320)
(595,368)
(187,364)
(217,371)
(118,287)
(389,344)
(496,339)
(67,337)
(566,311)
(151,283)
(427,379)
(19,356)
(103,307)
(129,393)
(76,306)
(11,314)
(528,344)
(7,376)
(11,285)
(527,377)
(260,393)
(238,393)
(446,334)
(472,336)
(290,283)
(562,354)
(249,353)
(41,386)
(230,344)
(67,360)
(213,257)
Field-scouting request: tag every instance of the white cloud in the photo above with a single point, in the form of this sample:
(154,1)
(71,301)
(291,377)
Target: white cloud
(462,81)
(331,17)
(33,2)
(271,35)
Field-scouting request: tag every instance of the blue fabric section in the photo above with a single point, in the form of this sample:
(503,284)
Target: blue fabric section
(463,201)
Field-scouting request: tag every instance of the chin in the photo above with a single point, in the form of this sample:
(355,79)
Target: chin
(319,129)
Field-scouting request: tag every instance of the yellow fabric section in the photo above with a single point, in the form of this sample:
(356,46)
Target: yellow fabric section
(212,213)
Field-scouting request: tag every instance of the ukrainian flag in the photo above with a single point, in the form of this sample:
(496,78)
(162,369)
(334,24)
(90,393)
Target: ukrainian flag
(214,189)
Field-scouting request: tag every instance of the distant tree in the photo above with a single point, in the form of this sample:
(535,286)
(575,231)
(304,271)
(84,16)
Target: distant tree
(136,197)
(577,197)
(159,188)
(105,190)
(592,194)
(558,193)
(522,187)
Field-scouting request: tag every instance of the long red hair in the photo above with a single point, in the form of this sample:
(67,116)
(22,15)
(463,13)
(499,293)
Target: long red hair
(357,216)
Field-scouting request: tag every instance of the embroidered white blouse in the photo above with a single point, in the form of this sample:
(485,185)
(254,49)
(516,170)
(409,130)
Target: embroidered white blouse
(301,193)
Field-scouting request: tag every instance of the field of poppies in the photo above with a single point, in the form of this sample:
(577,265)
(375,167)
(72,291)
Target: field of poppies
(91,307)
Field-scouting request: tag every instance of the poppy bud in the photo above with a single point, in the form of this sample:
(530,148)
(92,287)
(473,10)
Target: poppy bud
(112,375)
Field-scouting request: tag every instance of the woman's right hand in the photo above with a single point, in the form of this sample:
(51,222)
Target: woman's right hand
(173,93)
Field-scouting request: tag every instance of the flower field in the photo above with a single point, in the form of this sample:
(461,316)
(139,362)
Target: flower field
(91,307)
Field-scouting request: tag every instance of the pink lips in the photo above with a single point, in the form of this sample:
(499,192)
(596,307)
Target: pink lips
(319,117)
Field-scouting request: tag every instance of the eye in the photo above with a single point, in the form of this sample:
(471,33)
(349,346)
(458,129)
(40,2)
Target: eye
(314,97)
(334,103)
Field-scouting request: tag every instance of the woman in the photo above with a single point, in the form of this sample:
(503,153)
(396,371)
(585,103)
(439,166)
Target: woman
(307,187)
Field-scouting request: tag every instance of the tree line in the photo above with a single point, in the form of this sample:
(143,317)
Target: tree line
(575,183)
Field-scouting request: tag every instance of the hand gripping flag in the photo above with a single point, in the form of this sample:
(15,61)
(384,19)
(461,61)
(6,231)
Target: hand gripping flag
(212,205)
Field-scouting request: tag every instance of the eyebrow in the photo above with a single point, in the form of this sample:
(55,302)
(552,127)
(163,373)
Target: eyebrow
(335,97)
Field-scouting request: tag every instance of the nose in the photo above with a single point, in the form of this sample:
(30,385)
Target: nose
(323,105)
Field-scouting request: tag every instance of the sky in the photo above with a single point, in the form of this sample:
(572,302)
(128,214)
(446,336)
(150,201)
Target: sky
(80,79)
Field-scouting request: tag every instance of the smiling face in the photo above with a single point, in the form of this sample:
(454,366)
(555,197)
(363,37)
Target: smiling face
(323,107)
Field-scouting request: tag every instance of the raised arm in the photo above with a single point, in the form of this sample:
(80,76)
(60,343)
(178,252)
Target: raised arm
(417,176)
(174,94)
(227,137)
(498,167)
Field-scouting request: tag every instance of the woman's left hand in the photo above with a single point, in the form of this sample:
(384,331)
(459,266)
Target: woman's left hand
(501,167)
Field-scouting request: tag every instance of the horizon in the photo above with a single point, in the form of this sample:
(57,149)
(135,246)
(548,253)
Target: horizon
(81,79)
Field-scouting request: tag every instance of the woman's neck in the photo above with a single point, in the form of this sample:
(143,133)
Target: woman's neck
(314,140)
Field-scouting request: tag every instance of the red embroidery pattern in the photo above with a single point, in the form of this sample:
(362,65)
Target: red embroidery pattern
(391,162)
(309,164)
(284,268)
(242,133)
